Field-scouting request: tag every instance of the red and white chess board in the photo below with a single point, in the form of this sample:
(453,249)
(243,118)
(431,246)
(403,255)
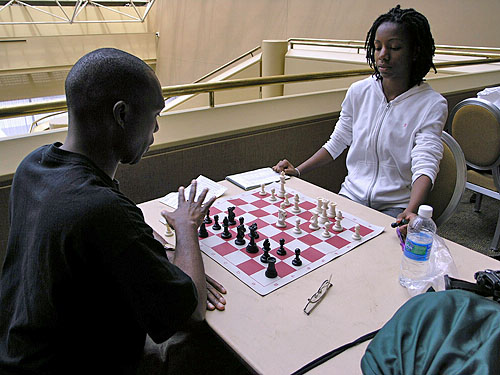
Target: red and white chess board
(315,249)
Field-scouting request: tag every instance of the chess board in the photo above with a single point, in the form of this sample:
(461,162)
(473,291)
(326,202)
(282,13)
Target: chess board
(315,249)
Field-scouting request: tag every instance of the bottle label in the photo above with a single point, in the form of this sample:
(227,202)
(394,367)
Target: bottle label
(418,248)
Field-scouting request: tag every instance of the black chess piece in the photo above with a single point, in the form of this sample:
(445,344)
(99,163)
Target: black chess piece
(216,225)
(207,219)
(271,268)
(231,215)
(267,247)
(203,233)
(281,251)
(240,236)
(297,261)
(252,247)
(226,234)
(253,231)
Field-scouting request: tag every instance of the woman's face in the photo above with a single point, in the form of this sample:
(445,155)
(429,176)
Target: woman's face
(393,52)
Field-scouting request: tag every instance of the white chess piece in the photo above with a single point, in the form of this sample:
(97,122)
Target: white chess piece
(286,201)
(273,195)
(297,229)
(296,208)
(282,192)
(318,207)
(281,217)
(326,233)
(332,210)
(323,218)
(262,190)
(314,222)
(356,236)
(338,223)
(168,230)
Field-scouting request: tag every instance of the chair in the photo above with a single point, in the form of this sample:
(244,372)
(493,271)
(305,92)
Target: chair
(450,181)
(475,125)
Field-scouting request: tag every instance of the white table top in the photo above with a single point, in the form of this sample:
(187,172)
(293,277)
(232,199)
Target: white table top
(272,333)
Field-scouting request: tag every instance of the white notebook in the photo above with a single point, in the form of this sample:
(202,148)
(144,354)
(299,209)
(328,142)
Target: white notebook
(252,179)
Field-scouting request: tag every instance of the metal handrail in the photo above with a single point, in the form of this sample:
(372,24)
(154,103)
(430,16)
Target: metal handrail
(210,87)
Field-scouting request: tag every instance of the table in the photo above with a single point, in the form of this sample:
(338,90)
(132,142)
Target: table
(273,335)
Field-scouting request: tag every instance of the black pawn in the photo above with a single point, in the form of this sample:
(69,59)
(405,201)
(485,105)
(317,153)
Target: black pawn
(281,251)
(207,219)
(297,261)
(226,234)
(271,268)
(203,233)
(267,247)
(252,247)
(216,225)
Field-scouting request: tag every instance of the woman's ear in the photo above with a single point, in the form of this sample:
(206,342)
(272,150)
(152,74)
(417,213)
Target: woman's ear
(120,111)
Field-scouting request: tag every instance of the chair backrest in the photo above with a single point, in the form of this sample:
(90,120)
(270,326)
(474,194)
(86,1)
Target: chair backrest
(450,181)
(475,125)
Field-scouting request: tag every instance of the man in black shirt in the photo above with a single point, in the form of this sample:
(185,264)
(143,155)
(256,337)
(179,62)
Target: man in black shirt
(84,279)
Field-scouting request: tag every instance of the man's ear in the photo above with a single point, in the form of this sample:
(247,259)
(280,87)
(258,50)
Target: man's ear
(120,111)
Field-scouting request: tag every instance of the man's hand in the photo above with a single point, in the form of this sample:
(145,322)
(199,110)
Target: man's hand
(285,165)
(214,298)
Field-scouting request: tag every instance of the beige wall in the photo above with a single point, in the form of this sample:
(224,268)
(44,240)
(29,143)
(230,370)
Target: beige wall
(197,36)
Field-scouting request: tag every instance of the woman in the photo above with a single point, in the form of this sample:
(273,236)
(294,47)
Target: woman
(391,121)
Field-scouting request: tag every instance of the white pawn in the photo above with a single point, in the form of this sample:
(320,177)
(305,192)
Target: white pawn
(296,208)
(168,230)
(338,223)
(286,201)
(262,190)
(282,192)
(332,210)
(273,195)
(356,236)
(297,229)
(318,207)
(323,217)
(314,222)
(326,233)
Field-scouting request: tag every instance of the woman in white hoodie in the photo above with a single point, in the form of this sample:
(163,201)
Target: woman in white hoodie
(391,121)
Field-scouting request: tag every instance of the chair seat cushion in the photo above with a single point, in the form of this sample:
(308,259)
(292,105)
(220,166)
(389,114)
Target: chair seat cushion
(482,179)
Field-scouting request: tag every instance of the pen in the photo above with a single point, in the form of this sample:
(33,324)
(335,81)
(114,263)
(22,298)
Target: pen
(399,223)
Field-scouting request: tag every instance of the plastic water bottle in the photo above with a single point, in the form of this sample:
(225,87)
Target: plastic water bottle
(418,245)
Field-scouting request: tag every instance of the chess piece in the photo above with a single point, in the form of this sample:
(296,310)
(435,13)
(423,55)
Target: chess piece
(286,202)
(314,222)
(203,233)
(281,251)
(282,192)
(319,206)
(266,248)
(252,247)
(338,222)
(273,195)
(296,208)
(226,234)
(326,233)
(240,236)
(168,230)
(323,218)
(216,225)
(297,261)
(231,215)
(271,268)
(332,210)
(281,217)
(356,236)
(207,219)
(297,229)
(253,231)
(262,191)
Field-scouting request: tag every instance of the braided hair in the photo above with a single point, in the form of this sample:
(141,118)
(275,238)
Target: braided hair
(419,32)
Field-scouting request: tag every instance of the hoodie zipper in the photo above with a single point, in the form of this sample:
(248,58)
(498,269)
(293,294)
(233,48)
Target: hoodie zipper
(372,185)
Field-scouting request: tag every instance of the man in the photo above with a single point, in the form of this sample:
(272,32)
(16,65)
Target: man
(84,278)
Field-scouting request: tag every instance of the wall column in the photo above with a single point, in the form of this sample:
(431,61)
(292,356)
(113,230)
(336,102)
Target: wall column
(273,63)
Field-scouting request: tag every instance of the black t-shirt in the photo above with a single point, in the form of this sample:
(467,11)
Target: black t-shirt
(84,279)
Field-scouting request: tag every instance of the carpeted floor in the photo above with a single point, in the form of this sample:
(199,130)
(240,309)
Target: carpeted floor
(473,229)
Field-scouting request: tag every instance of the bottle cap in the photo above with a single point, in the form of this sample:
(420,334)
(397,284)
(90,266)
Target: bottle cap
(425,211)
